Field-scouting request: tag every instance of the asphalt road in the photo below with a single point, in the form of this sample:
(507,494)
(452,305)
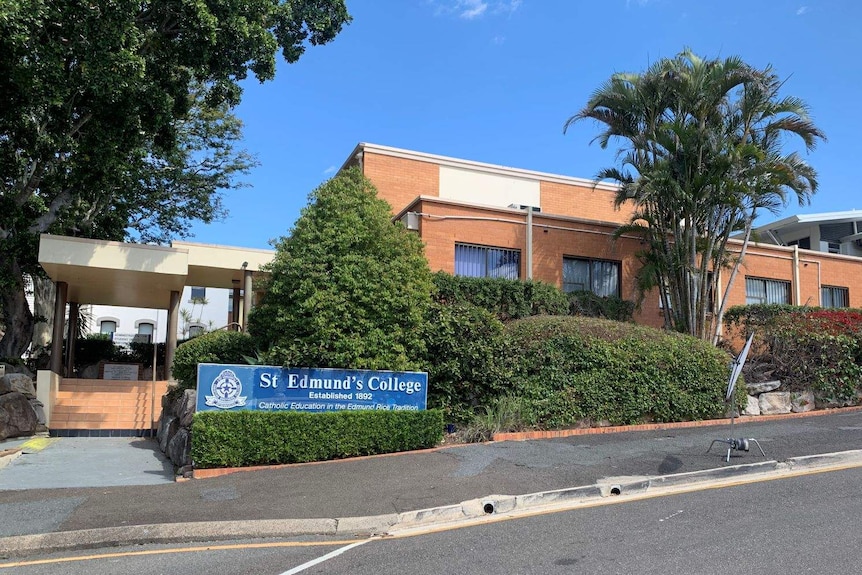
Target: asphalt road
(809,524)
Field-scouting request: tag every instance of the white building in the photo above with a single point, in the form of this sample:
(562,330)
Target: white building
(202,309)
(829,232)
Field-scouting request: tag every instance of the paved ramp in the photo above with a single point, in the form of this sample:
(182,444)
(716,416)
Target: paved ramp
(47,463)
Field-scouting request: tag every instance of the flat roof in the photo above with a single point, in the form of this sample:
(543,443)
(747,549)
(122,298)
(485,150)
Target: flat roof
(476,166)
(139,275)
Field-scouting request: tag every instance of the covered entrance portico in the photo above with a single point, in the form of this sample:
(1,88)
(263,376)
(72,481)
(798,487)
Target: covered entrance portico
(87,271)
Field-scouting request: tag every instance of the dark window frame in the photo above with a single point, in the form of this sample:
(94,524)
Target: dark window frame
(765,298)
(619,271)
(844,291)
(488,252)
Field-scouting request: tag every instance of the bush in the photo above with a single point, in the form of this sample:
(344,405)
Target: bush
(213,347)
(515,299)
(507,299)
(348,289)
(465,359)
(806,348)
(588,304)
(573,369)
(93,349)
(243,438)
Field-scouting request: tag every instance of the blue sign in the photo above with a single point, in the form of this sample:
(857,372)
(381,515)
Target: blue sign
(268,388)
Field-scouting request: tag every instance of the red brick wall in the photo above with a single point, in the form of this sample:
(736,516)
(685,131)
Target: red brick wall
(582,202)
(399,181)
(553,239)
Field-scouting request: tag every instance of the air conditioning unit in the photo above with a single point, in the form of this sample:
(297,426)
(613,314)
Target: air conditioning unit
(411,221)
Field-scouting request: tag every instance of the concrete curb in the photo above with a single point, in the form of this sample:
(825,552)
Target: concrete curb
(561,433)
(378,524)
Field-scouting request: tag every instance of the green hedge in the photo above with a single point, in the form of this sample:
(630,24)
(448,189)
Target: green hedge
(244,438)
(571,370)
(817,349)
(213,347)
(465,347)
(515,299)
(507,299)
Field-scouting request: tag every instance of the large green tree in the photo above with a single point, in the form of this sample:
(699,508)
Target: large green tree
(701,153)
(98,113)
(347,287)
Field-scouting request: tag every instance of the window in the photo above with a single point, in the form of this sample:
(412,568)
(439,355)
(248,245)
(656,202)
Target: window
(199,293)
(484,262)
(766,291)
(108,327)
(834,296)
(145,332)
(597,276)
(803,243)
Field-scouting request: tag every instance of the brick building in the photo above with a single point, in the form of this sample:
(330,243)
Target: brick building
(481,219)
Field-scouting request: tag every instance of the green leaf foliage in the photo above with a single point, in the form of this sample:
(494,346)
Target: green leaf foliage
(116,118)
(514,299)
(229,347)
(347,288)
(805,348)
(465,359)
(702,149)
(571,370)
(243,438)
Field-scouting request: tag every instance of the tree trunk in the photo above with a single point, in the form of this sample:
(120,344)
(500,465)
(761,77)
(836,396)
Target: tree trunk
(15,311)
(44,293)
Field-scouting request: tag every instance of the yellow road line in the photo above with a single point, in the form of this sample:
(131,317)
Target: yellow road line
(616,500)
(38,444)
(270,545)
(484,520)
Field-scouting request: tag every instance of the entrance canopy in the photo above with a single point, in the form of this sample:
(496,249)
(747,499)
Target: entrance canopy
(136,275)
(90,271)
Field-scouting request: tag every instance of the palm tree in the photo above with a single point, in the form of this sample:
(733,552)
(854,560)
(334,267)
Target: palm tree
(700,155)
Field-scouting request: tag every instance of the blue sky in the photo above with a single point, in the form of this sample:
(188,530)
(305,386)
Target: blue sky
(495,80)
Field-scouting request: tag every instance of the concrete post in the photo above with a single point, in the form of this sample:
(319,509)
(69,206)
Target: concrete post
(246,298)
(71,338)
(171,337)
(235,309)
(59,322)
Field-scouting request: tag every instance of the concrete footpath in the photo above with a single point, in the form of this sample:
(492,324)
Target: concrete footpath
(369,494)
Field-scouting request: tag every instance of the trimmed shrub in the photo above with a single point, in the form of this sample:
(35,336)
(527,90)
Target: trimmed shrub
(588,304)
(244,438)
(515,299)
(507,299)
(806,348)
(348,288)
(465,359)
(213,347)
(93,349)
(571,370)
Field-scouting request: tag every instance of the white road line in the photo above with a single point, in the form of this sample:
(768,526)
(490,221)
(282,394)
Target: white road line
(323,558)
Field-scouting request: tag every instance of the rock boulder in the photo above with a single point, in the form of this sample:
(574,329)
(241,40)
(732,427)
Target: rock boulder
(19,382)
(752,407)
(185,407)
(180,448)
(167,429)
(17,416)
(800,402)
(774,403)
(762,387)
